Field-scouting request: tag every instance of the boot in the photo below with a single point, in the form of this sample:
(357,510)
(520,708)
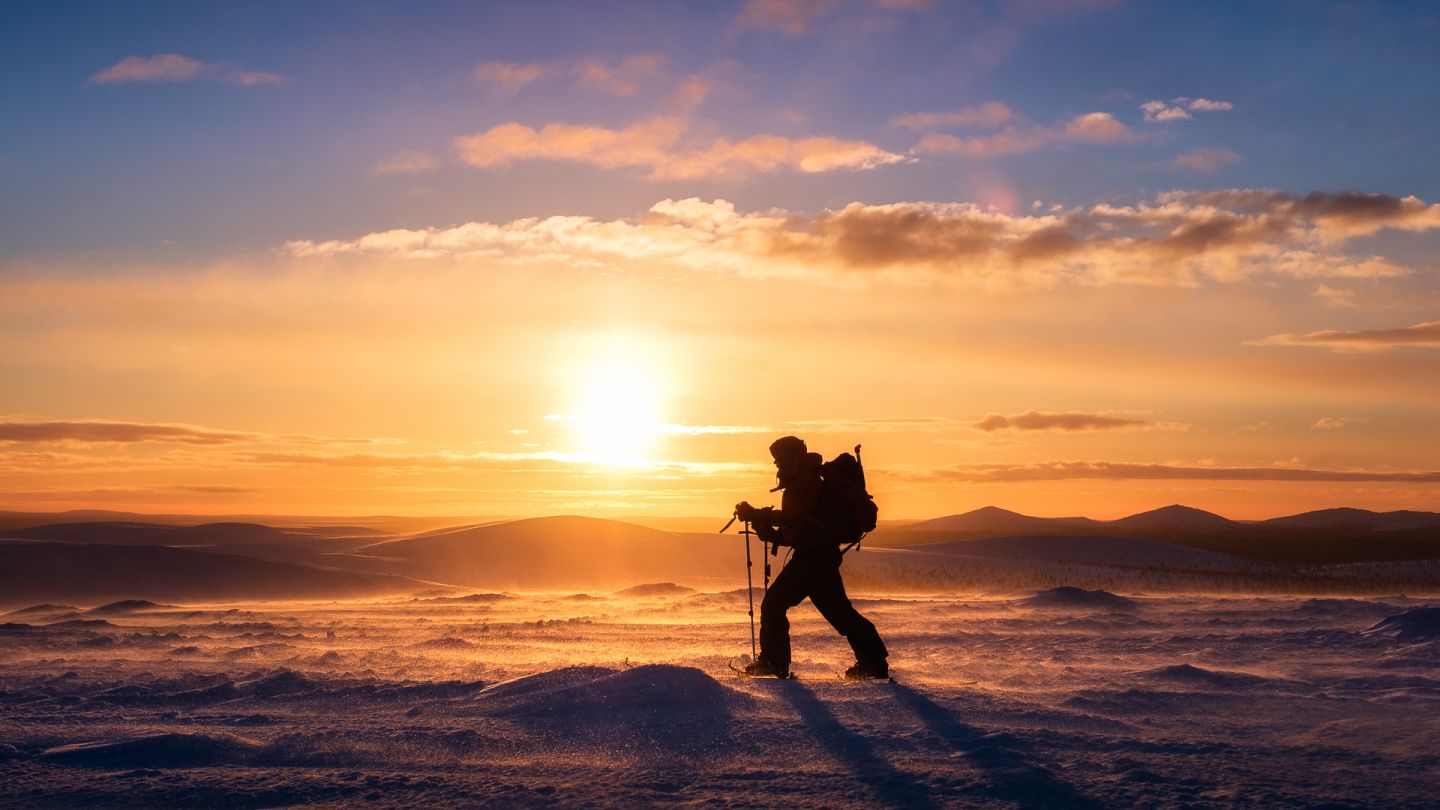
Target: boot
(868,671)
(762,668)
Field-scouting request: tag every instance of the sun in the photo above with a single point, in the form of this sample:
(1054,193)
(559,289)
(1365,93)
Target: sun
(617,416)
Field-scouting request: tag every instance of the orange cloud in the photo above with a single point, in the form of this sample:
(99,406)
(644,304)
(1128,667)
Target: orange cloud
(173,67)
(1206,105)
(512,462)
(1122,471)
(1206,159)
(509,77)
(1177,238)
(1069,421)
(620,79)
(1092,128)
(791,17)
(407,161)
(116,432)
(1425,335)
(1337,422)
(669,148)
(1334,297)
(1097,127)
(94,431)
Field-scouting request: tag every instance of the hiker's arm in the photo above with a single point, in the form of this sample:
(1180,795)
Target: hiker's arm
(759,516)
(764,521)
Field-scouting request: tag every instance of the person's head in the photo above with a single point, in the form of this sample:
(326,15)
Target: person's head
(787,452)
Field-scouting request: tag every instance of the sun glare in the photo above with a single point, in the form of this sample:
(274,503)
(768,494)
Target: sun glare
(617,415)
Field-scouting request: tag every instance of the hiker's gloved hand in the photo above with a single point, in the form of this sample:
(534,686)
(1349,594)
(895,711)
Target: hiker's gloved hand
(768,533)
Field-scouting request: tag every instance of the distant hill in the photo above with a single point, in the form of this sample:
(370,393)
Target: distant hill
(562,552)
(1346,517)
(95,573)
(328,524)
(204,535)
(1175,518)
(995,519)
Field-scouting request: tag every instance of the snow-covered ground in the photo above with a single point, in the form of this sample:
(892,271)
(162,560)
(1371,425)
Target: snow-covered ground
(1070,700)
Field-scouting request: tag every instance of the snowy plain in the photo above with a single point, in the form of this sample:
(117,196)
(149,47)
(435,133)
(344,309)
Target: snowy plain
(626,700)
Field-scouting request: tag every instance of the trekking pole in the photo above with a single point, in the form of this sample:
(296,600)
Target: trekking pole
(749,576)
(750,585)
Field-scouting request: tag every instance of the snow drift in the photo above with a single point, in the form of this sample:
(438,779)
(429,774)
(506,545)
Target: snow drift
(1415,624)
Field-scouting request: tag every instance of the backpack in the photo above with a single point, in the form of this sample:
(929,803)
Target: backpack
(848,512)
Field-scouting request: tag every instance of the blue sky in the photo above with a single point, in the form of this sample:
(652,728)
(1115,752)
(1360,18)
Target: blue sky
(1060,256)
(1326,97)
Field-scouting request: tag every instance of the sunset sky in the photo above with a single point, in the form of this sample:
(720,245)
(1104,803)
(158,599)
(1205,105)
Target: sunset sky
(1062,257)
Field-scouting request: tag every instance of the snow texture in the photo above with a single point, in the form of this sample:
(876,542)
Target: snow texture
(1065,698)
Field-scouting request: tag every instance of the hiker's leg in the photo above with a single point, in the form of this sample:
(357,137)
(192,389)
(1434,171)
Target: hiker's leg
(827,593)
(787,591)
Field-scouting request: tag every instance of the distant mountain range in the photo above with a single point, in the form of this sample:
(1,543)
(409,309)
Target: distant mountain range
(139,558)
(390,524)
(1326,536)
(1176,518)
(1349,518)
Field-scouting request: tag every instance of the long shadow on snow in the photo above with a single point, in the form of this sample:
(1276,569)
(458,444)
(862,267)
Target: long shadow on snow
(1011,777)
(892,787)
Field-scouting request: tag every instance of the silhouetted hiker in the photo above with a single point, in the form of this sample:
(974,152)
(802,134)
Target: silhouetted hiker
(813,570)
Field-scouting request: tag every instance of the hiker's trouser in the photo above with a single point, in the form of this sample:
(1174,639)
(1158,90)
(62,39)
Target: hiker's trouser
(816,574)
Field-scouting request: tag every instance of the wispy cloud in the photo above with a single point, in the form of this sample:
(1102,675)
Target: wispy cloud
(116,432)
(509,77)
(621,78)
(1179,109)
(95,431)
(1206,105)
(795,17)
(173,67)
(408,161)
(514,462)
(1089,128)
(713,430)
(916,424)
(1335,297)
(1206,159)
(1175,238)
(667,148)
(1070,421)
(127,495)
(987,115)
(791,17)
(1123,471)
(1425,335)
(1337,422)
(618,77)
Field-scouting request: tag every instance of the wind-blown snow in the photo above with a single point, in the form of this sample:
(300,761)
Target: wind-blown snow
(626,701)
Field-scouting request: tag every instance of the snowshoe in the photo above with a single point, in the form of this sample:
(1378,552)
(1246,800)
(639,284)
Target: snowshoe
(864,671)
(759,668)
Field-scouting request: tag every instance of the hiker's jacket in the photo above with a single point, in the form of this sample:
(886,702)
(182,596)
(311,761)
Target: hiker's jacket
(799,525)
